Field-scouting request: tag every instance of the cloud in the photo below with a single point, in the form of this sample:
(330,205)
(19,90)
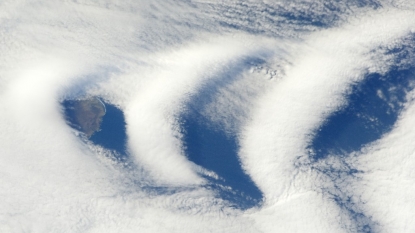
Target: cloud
(274,144)
(385,186)
(150,59)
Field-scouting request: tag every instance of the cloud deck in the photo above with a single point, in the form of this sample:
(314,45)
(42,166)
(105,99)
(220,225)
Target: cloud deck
(266,75)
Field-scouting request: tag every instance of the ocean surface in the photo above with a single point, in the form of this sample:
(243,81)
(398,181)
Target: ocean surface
(373,106)
(112,134)
(371,110)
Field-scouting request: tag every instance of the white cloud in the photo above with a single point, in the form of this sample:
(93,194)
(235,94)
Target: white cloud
(274,142)
(150,59)
(385,187)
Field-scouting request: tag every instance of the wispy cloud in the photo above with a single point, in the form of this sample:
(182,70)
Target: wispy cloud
(278,70)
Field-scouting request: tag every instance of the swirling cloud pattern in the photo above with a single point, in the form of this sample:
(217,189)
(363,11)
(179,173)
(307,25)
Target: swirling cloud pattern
(267,86)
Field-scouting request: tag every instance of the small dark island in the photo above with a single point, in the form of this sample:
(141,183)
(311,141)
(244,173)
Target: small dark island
(86,115)
(100,122)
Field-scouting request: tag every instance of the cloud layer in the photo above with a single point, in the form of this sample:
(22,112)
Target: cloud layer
(275,73)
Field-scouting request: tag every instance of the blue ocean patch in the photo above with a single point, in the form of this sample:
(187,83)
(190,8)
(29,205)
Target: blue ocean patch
(372,109)
(112,130)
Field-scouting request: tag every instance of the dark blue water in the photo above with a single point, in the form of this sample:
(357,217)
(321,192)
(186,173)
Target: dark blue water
(213,149)
(112,135)
(113,132)
(373,108)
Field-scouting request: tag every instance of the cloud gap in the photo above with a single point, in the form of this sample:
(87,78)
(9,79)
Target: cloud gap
(212,147)
(381,97)
(371,111)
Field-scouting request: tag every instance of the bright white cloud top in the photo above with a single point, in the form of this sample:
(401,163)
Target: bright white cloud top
(271,76)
